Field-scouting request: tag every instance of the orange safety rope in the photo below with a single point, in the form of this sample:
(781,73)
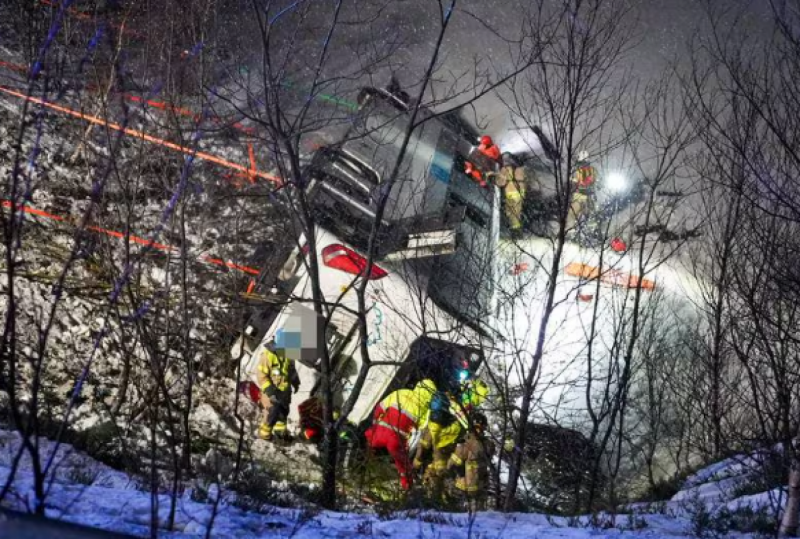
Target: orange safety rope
(144,136)
(13,67)
(161,105)
(133,238)
(610,276)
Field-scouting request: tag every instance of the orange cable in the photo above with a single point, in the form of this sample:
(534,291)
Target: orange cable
(144,136)
(161,105)
(136,239)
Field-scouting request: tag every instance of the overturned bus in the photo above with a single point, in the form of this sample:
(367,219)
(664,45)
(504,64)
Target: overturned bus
(430,293)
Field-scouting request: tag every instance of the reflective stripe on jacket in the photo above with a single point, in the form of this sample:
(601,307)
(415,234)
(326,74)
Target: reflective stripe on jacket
(405,409)
(584,177)
(276,369)
(512,181)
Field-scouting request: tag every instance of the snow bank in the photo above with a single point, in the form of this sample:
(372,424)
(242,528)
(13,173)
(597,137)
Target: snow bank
(86,492)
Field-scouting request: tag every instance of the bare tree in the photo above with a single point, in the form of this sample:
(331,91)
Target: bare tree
(741,93)
(573,90)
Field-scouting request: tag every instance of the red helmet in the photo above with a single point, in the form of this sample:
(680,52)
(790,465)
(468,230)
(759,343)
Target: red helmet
(487,141)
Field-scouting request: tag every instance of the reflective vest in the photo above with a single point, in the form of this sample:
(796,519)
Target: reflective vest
(446,428)
(404,409)
(584,177)
(512,180)
(275,369)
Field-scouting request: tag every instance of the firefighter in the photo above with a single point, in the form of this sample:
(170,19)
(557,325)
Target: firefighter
(470,460)
(488,148)
(447,423)
(276,377)
(511,178)
(474,174)
(393,421)
(584,180)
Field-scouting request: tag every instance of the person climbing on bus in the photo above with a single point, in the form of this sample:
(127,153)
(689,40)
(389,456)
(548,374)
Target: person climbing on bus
(393,421)
(511,179)
(276,374)
(488,148)
(584,180)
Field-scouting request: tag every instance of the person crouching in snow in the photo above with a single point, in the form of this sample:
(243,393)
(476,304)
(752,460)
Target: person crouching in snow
(276,377)
(393,421)
(447,423)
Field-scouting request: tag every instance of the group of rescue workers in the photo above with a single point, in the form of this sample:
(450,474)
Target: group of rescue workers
(504,171)
(451,429)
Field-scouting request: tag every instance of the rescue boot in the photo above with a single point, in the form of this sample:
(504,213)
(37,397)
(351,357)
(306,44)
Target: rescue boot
(265,432)
(279,432)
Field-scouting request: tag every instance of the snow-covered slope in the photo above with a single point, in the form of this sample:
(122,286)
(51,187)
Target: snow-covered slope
(84,491)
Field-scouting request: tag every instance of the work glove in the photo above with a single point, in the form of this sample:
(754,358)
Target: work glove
(270,391)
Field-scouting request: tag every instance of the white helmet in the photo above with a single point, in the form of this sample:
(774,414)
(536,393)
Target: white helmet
(583,155)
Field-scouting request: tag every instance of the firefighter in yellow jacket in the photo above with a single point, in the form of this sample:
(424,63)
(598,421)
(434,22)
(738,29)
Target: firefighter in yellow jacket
(584,180)
(471,460)
(277,376)
(511,179)
(447,423)
(394,420)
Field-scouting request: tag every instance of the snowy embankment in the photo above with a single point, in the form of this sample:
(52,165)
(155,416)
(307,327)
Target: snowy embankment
(81,490)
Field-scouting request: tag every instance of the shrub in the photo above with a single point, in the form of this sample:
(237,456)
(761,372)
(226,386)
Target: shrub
(102,442)
(254,490)
(558,470)
(772,472)
(663,489)
(81,475)
(712,524)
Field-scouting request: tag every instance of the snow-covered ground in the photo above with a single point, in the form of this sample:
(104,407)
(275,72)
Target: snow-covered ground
(84,491)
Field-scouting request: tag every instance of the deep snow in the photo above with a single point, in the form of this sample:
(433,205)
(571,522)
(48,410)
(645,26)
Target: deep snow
(84,491)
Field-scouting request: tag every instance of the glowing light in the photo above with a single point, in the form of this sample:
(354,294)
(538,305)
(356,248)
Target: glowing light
(616,182)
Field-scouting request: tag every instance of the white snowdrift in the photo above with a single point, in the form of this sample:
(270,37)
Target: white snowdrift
(86,492)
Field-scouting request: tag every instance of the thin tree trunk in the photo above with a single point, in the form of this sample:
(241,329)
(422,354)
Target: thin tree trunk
(789,522)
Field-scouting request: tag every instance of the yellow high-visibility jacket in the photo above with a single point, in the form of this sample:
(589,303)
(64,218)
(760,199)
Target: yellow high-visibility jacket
(584,177)
(276,369)
(446,433)
(411,403)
